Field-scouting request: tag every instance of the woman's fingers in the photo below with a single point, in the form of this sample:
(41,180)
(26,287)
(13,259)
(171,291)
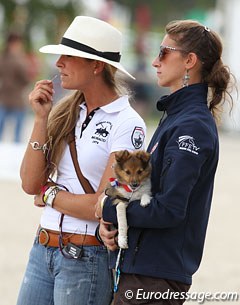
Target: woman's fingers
(108,236)
(38,201)
(41,98)
(43,91)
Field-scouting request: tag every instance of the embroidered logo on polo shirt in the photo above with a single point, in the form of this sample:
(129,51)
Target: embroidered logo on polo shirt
(102,131)
(188,143)
(138,137)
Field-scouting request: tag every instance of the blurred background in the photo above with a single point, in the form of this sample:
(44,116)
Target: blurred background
(25,26)
(41,22)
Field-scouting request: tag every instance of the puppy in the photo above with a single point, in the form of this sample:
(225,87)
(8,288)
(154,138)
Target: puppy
(132,182)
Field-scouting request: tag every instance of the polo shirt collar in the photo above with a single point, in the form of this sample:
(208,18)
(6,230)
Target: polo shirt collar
(115,106)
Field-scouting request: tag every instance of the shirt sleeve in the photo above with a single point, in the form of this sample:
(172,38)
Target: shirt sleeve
(130,135)
(185,160)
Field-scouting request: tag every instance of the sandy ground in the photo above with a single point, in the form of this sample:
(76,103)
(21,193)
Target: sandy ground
(220,268)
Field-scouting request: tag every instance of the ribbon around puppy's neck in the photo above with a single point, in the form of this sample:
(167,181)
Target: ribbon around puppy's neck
(115,183)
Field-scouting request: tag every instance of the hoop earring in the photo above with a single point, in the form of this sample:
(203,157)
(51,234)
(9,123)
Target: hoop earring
(186,79)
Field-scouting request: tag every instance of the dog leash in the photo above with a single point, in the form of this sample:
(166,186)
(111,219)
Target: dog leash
(117,270)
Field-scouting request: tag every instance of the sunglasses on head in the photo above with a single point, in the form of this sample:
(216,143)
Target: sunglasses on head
(166,50)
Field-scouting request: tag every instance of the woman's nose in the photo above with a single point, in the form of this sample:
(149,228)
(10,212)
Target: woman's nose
(59,62)
(156,62)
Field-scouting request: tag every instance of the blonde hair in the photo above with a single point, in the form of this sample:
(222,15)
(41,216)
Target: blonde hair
(192,36)
(64,116)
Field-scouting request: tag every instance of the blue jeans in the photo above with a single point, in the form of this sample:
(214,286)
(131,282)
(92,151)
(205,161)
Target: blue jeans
(18,116)
(52,279)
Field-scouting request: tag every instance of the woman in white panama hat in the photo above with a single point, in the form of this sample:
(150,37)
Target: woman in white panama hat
(67,264)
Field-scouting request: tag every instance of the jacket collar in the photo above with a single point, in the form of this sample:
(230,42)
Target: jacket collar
(178,100)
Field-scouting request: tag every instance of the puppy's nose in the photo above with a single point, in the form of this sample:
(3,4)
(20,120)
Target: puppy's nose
(134,184)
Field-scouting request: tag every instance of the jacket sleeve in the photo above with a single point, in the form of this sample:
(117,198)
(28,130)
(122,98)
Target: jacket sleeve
(185,155)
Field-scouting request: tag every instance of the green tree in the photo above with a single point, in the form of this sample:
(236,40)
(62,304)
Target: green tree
(163,11)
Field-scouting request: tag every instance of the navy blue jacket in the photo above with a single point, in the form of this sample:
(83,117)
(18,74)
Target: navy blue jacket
(166,238)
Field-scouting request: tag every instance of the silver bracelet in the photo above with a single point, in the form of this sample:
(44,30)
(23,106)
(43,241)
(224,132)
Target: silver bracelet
(36,146)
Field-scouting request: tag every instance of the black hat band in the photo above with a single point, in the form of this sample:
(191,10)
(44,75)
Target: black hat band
(113,56)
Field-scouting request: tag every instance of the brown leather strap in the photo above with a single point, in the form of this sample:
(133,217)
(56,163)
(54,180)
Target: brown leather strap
(88,189)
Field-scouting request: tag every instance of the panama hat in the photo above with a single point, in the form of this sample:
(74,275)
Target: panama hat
(91,38)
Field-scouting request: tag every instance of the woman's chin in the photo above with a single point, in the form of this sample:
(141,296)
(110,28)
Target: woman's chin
(66,86)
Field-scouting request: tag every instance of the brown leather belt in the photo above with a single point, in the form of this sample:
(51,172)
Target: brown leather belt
(50,238)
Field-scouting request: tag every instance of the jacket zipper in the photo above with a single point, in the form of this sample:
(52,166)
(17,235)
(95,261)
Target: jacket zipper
(137,247)
(169,161)
(165,170)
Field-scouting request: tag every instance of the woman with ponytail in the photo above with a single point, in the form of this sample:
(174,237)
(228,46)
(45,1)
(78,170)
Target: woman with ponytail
(67,264)
(207,47)
(166,239)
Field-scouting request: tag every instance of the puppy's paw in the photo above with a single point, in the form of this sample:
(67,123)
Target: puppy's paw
(145,200)
(122,242)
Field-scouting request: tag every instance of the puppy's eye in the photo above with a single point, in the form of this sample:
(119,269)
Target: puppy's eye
(139,171)
(127,172)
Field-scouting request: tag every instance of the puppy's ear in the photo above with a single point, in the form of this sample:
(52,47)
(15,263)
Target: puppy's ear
(143,155)
(122,155)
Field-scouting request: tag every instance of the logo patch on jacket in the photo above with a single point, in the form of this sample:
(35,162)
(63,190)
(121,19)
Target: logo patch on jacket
(188,143)
(138,137)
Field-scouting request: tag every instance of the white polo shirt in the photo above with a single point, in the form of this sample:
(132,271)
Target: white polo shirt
(113,127)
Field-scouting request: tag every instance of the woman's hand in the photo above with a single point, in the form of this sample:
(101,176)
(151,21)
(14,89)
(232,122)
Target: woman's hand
(38,201)
(108,236)
(41,98)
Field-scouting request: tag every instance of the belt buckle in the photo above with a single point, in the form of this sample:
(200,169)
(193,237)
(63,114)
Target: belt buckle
(47,237)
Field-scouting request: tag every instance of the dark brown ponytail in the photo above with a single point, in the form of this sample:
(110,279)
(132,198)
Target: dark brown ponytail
(218,81)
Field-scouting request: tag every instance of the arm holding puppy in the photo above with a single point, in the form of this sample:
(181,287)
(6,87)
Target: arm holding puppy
(107,235)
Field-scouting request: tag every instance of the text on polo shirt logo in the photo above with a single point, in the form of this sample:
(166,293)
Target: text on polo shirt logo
(188,143)
(102,131)
(138,137)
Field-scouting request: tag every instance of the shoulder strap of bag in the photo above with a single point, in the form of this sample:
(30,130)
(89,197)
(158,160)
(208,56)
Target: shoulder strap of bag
(88,189)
